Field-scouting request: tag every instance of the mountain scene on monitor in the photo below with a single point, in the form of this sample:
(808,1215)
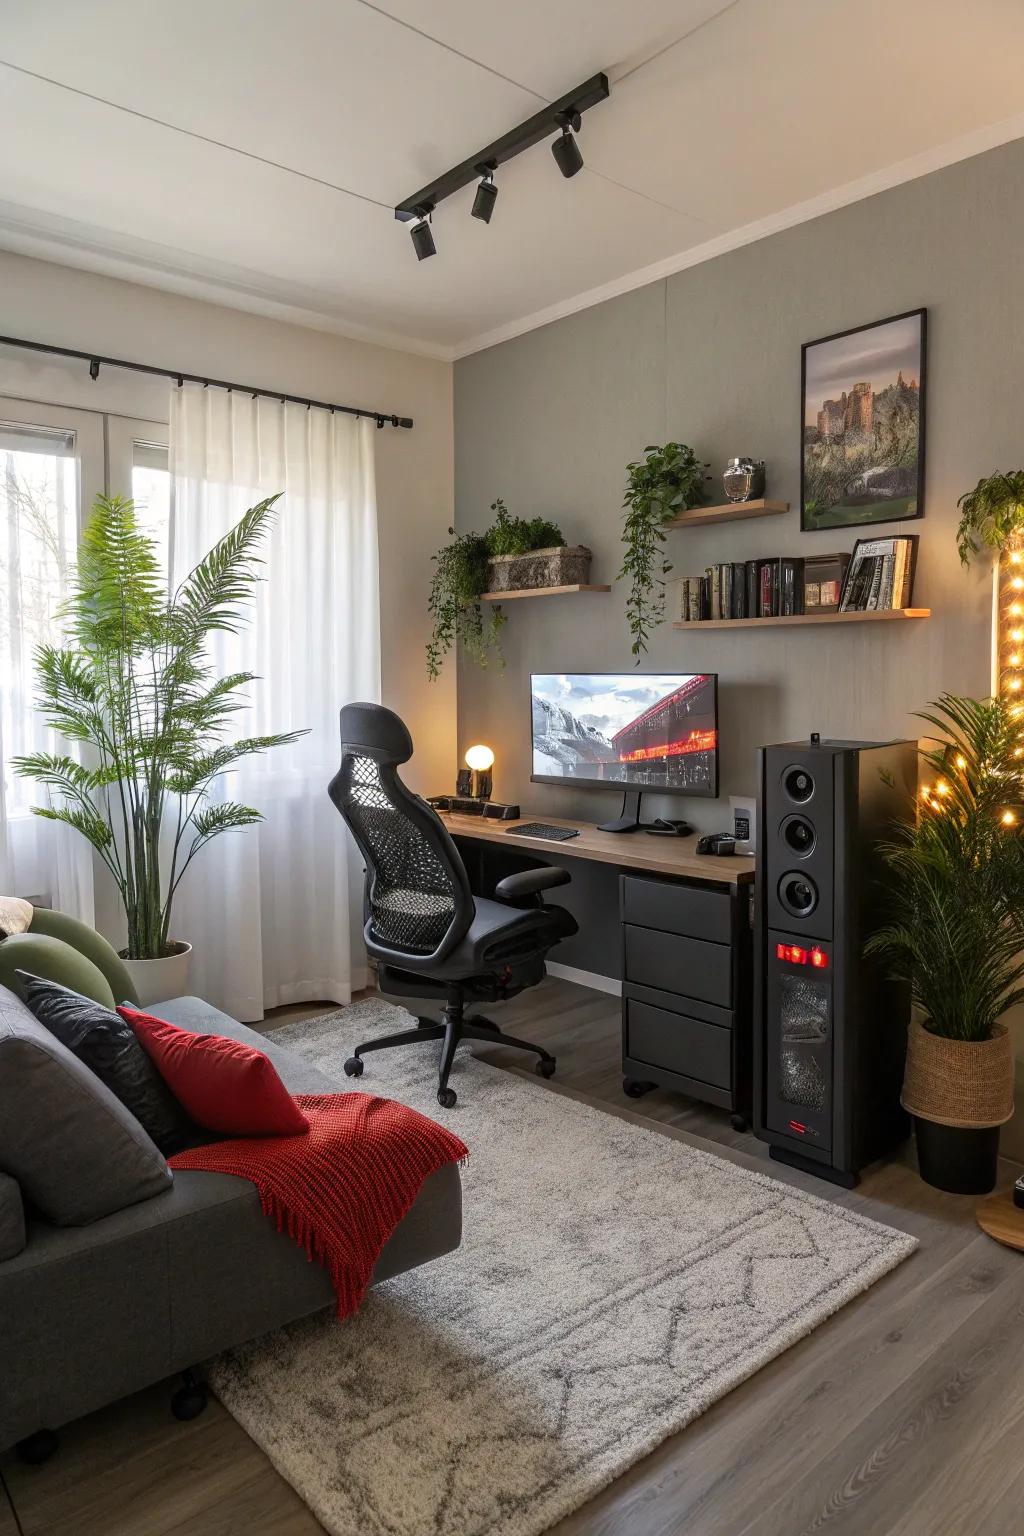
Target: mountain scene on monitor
(648,731)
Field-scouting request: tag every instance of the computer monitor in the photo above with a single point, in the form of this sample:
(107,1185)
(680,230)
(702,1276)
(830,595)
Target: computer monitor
(630,731)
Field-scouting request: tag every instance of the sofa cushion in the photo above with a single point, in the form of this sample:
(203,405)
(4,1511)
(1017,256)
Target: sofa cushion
(12,1218)
(44,955)
(72,1146)
(109,1047)
(224,1085)
(202,1018)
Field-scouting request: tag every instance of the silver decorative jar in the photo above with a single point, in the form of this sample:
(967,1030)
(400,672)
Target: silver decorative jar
(744,479)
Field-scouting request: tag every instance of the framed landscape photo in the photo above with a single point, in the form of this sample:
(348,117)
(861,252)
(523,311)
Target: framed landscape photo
(862,397)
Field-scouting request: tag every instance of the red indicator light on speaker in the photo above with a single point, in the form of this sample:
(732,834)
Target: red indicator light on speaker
(791,952)
(796,1125)
(819,959)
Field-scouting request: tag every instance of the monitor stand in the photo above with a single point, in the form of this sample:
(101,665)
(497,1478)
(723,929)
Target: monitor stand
(629,821)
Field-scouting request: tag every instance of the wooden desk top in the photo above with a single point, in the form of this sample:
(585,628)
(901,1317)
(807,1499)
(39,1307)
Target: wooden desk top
(629,850)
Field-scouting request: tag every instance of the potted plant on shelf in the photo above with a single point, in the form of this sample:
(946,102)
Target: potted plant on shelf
(134,686)
(664,483)
(515,553)
(956,934)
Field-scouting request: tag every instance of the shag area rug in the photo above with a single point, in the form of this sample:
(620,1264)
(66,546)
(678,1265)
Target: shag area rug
(612,1283)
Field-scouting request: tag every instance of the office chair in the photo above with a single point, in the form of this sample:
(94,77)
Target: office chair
(431,937)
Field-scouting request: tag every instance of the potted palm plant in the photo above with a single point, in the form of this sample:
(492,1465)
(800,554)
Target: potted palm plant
(956,934)
(133,685)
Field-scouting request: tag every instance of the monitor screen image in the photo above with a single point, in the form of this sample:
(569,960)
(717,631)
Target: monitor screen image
(633,730)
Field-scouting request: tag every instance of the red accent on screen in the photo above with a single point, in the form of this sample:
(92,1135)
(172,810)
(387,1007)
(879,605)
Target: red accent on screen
(697,741)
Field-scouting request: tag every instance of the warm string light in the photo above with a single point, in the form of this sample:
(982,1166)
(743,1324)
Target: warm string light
(1010,629)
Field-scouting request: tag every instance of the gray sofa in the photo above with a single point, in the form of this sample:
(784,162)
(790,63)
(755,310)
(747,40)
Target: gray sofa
(89,1314)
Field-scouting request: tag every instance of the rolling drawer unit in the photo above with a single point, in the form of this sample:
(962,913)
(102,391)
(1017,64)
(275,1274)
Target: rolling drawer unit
(686,990)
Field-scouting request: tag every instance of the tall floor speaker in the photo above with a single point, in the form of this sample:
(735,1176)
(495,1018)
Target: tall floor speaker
(830,1027)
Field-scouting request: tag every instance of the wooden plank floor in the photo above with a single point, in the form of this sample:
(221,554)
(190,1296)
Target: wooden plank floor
(903,1415)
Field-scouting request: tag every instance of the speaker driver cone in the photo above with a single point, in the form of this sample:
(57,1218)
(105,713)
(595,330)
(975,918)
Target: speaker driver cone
(798,893)
(798,784)
(798,835)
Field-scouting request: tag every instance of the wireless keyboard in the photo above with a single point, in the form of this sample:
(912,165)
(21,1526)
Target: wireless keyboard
(543,830)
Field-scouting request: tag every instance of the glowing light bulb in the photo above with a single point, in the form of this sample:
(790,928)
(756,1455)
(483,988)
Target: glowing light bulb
(961,761)
(942,788)
(1008,819)
(1014,684)
(1017,635)
(1015,558)
(480,758)
(1017,583)
(1015,610)
(1013,660)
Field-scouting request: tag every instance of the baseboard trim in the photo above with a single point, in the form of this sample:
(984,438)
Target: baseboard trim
(592,979)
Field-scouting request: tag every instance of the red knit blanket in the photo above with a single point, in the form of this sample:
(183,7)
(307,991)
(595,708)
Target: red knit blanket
(340,1191)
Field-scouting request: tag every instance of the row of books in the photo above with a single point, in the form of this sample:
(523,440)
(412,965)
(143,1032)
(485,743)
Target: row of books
(879,574)
(748,589)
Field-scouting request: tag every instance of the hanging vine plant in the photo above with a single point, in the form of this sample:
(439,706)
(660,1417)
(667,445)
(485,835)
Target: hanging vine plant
(462,574)
(992,514)
(665,482)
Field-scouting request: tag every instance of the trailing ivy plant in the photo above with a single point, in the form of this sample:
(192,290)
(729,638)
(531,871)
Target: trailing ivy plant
(461,575)
(992,514)
(665,482)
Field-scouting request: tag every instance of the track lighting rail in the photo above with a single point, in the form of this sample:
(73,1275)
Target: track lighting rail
(550,120)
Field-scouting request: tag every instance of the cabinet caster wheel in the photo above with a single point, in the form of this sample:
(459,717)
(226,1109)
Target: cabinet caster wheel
(739,1123)
(190,1399)
(37,1448)
(447,1097)
(354,1067)
(545,1066)
(633,1089)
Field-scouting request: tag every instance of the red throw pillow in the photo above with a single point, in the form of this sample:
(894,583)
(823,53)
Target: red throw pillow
(224,1085)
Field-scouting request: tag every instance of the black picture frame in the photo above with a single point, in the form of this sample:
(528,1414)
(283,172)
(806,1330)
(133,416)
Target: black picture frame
(885,510)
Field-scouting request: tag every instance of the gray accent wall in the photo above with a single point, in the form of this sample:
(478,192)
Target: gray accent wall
(711,357)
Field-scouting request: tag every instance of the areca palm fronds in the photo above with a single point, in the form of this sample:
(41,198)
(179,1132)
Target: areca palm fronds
(134,685)
(956,928)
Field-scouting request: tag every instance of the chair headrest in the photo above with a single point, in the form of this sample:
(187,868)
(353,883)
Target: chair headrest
(376,732)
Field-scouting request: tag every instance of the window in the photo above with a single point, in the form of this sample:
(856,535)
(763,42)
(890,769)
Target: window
(49,459)
(151,492)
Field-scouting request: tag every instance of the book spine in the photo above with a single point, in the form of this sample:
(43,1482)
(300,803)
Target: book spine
(875,589)
(705,596)
(753,589)
(726,584)
(764,609)
(714,574)
(739,591)
(693,599)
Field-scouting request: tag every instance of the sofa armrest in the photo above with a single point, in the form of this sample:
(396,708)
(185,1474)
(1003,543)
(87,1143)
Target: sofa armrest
(12,1218)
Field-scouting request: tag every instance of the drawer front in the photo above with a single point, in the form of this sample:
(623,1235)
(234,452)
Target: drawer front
(679,1044)
(673,964)
(690,910)
(725,1018)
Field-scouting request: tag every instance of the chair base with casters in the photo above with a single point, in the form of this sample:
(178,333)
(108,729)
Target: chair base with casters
(433,939)
(453,1028)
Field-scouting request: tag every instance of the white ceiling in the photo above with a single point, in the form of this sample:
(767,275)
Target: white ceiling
(144,152)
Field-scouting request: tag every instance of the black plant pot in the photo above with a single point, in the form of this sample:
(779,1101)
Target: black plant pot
(964,1162)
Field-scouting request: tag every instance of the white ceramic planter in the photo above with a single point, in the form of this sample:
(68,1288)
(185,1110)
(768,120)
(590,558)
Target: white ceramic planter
(157,980)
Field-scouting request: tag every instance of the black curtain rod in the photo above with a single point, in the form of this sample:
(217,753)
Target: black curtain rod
(96,360)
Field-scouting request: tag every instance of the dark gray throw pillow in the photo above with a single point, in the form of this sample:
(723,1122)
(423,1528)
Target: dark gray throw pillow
(108,1046)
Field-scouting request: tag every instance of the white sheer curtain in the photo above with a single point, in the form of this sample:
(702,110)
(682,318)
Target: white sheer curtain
(275,912)
(41,485)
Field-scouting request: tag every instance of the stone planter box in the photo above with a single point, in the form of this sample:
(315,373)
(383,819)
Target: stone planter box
(563,566)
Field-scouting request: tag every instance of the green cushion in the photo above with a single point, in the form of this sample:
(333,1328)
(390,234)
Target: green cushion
(93,946)
(56,961)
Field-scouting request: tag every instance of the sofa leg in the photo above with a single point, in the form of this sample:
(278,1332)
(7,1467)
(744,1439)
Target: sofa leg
(191,1397)
(37,1448)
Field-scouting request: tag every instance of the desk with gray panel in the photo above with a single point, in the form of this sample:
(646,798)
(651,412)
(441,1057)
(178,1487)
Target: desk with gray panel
(673,926)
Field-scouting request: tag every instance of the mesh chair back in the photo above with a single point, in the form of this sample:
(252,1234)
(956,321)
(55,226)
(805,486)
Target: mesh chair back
(417,891)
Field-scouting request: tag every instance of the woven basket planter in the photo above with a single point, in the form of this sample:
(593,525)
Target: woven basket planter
(563,566)
(967,1084)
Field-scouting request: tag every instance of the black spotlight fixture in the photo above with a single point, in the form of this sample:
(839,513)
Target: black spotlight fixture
(423,236)
(485,198)
(561,116)
(565,149)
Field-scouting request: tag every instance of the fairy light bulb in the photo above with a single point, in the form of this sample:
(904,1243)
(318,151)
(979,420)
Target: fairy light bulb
(961,761)
(1008,819)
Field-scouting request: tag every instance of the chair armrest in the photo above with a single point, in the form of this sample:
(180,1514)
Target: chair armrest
(530,882)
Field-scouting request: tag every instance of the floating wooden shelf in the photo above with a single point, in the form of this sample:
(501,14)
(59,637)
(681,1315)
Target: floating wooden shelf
(506,597)
(731,512)
(867,616)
